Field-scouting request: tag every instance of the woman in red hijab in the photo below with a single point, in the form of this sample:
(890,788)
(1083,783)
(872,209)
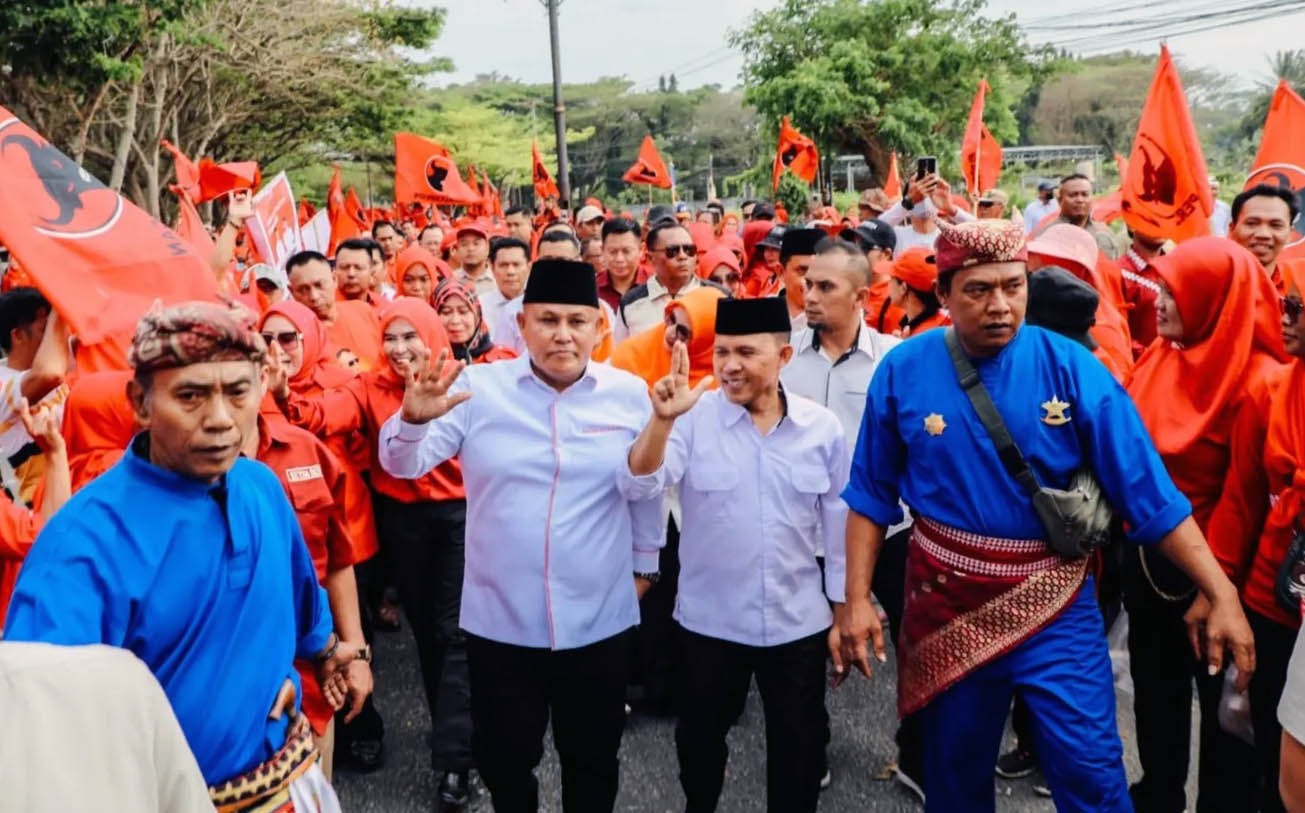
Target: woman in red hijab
(419,271)
(721,266)
(762,269)
(459,310)
(421,521)
(1262,509)
(1219,340)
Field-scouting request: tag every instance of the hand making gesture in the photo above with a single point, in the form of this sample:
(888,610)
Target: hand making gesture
(424,394)
(672,396)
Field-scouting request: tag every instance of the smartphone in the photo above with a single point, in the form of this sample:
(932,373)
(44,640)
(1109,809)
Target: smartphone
(925,165)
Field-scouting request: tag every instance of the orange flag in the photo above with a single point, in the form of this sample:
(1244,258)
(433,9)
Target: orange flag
(186,171)
(354,209)
(343,226)
(1166,192)
(893,186)
(216,180)
(1281,158)
(99,260)
(648,168)
(424,172)
(980,152)
(306,210)
(544,184)
(795,152)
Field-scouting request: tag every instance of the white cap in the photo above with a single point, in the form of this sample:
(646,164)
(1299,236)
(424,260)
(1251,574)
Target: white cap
(588,213)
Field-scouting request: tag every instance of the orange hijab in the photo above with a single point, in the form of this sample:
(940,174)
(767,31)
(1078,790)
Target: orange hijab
(718,256)
(98,424)
(1229,312)
(416,255)
(1284,442)
(428,325)
(645,354)
(319,368)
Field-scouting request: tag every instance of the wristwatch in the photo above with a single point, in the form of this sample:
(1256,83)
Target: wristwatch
(364,653)
(649,577)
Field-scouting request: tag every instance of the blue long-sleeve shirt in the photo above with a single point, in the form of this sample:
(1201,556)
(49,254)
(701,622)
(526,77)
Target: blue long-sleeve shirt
(922,441)
(217,600)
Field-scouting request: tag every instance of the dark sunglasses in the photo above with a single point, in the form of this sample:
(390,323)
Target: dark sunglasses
(688,250)
(1292,308)
(729,279)
(287,338)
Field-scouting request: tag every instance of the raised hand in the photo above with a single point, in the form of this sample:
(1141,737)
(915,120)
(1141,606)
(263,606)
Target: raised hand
(672,396)
(278,381)
(240,207)
(43,427)
(425,395)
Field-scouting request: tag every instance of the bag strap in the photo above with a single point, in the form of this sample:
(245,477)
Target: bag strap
(1007,451)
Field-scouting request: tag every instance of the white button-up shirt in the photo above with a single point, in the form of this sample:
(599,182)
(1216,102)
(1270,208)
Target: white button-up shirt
(552,546)
(1037,211)
(839,383)
(753,504)
(491,309)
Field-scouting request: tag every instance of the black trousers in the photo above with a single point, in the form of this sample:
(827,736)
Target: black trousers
(656,648)
(889,586)
(1273,645)
(715,676)
(1163,668)
(425,541)
(515,691)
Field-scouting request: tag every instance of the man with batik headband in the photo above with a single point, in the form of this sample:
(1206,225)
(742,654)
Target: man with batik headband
(991,609)
(760,471)
(189,556)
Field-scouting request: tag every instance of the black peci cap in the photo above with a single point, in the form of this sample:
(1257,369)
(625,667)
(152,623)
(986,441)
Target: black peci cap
(562,282)
(744,317)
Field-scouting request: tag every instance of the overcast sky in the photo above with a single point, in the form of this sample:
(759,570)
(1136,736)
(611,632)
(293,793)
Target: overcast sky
(640,39)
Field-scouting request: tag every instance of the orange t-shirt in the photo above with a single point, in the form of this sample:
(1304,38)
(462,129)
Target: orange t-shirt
(356,328)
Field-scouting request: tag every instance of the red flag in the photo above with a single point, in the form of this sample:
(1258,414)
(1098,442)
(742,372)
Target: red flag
(495,201)
(1167,190)
(99,260)
(354,209)
(795,152)
(544,185)
(649,168)
(306,210)
(980,152)
(216,180)
(186,171)
(1281,158)
(893,186)
(342,225)
(424,172)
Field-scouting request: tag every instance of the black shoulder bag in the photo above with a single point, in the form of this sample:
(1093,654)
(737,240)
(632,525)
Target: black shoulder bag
(1077,520)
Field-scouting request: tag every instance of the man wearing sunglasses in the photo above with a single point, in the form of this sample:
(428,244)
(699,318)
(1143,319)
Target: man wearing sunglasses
(674,258)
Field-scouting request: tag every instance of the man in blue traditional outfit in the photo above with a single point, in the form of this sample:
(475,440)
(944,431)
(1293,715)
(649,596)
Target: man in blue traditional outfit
(990,609)
(190,557)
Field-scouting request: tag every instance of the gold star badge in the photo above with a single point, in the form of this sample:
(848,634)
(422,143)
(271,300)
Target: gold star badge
(934,424)
(1055,409)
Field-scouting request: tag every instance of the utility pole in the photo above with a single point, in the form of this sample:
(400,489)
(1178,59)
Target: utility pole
(559,108)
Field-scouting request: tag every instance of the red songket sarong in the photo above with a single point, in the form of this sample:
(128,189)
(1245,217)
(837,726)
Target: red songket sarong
(971,599)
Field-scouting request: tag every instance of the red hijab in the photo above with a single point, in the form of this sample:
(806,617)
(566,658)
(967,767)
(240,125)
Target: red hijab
(428,326)
(1229,311)
(416,255)
(320,368)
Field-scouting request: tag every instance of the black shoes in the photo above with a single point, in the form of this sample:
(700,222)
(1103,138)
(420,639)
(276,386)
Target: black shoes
(455,792)
(1016,764)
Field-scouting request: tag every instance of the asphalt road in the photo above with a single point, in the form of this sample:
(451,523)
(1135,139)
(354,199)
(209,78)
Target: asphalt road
(863,724)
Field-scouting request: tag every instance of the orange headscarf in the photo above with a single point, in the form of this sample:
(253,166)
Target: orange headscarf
(718,256)
(1229,309)
(319,368)
(428,326)
(1284,443)
(98,424)
(416,255)
(645,354)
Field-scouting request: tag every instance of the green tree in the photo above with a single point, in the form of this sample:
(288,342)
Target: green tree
(874,77)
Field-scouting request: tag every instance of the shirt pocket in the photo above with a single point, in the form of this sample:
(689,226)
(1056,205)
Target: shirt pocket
(808,484)
(313,504)
(712,478)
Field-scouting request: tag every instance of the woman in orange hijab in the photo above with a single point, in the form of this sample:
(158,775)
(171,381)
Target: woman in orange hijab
(98,424)
(459,310)
(1218,341)
(1262,509)
(419,271)
(690,319)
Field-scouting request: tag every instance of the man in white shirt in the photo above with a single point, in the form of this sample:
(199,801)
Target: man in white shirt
(473,254)
(760,473)
(556,557)
(1043,207)
(834,359)
(1221,217)
(509,259)
(674,259)
(35,343)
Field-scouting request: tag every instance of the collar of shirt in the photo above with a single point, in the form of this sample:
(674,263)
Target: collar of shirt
(731,413)
(138,459)
(525,370)
(656,290)
(868,342)
(485,272)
